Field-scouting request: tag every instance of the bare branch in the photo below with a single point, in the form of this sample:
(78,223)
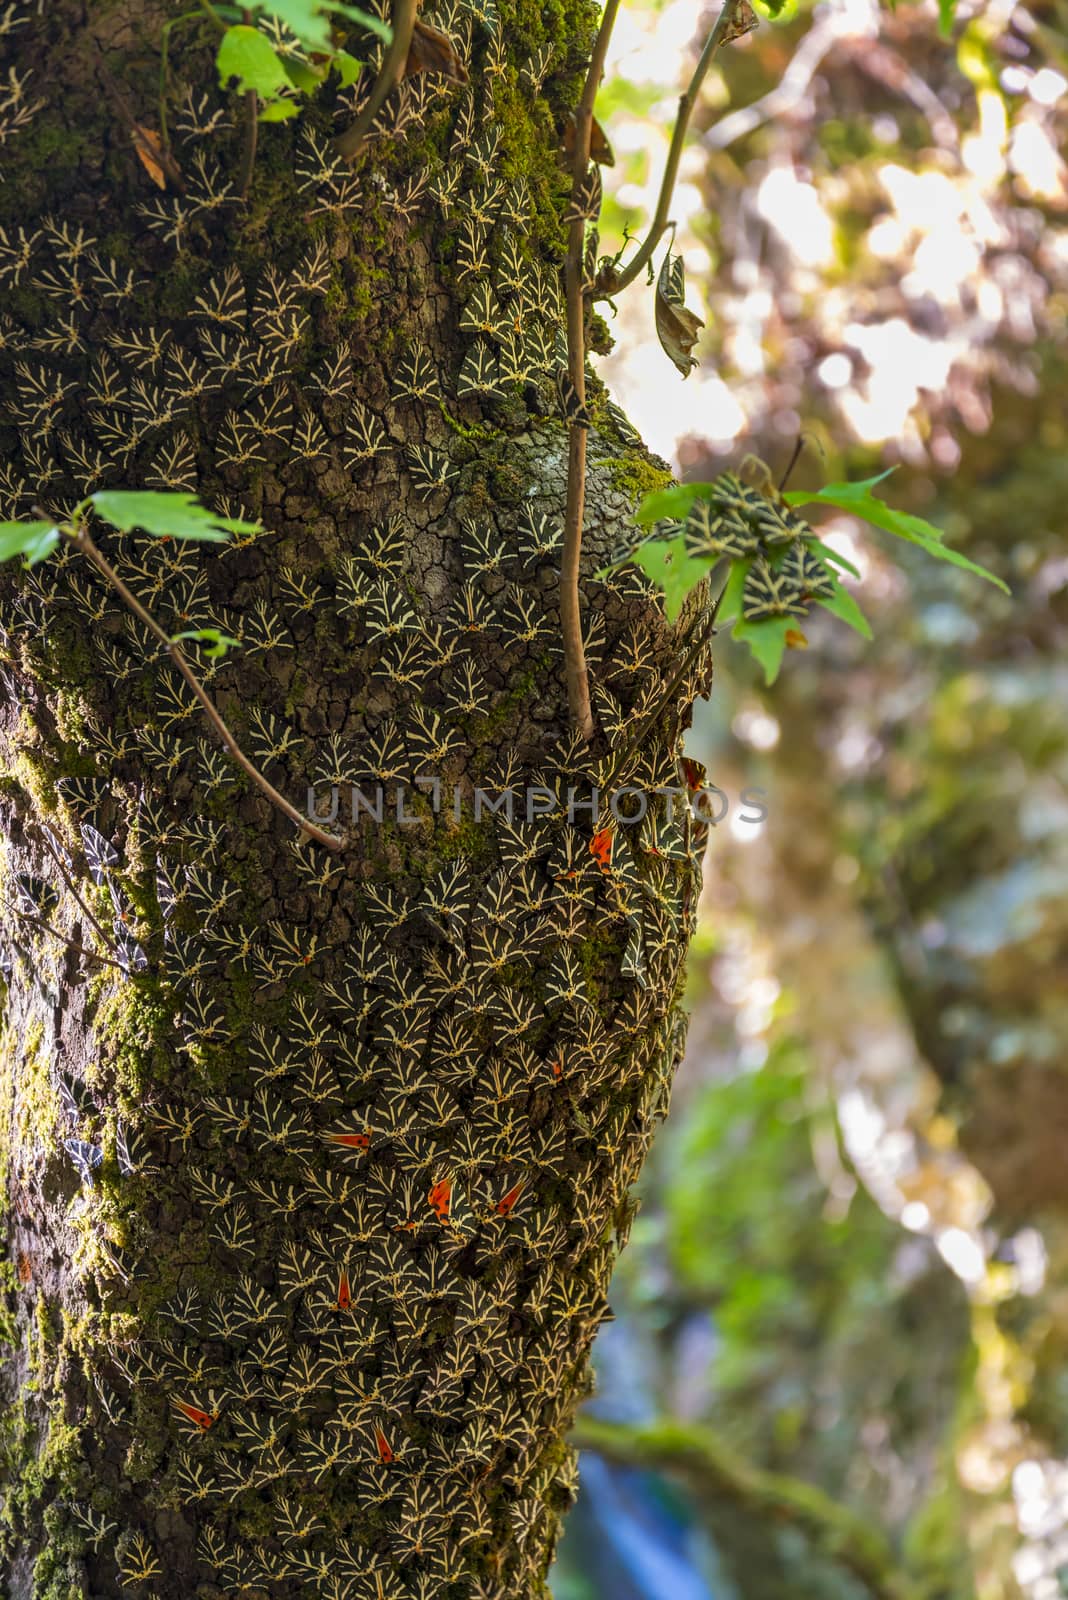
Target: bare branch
(718,1476)
(613,278)
(80,538)
(578,682)
(349,143)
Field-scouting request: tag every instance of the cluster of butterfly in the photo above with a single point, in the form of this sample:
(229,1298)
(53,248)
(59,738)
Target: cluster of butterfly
(409,1183)
(737,522)
(407,1127)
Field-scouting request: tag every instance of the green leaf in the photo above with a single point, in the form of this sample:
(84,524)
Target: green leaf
(767,640)
(666,562)
(673,504)
(851,491)
(731,604)
(170,515)
(33,541)
(248,55)
(833,556)
(347,67)
(278,111)
(216,644)
(857,499)
(946,9)
(304,78)
(366,20)
(844,606)
(307,20)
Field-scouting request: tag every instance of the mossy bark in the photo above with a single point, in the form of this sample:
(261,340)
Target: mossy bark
(313,1196)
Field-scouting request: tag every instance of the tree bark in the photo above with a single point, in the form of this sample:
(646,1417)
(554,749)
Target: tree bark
(315,1181)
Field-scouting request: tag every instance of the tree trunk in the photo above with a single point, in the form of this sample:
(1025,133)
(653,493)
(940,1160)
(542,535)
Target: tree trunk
(316,1179)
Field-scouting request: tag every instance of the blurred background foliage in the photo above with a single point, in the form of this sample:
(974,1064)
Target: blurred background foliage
(839,1365)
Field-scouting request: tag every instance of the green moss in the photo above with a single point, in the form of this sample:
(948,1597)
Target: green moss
(634,474)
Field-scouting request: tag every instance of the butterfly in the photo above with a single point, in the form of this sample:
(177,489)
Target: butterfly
(439,1198)
(509,1200)
(482,313)
(430,469)
(199,1419)
(769,592)
(807,573)
(343,1295)
(86,1158)
(223,300)
(415,377)
(601,848)
(710,531)
(585,202)
(479,372)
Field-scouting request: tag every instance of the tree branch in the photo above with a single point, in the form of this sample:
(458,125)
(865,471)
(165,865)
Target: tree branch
(578,680)
(65,938)
(612,279)
(715,1473)
(80,538)
(349,143)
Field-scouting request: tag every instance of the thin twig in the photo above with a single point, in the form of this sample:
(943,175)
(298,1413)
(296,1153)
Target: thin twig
(164,71)
(80,538)
(79,949)
(578,679)
(248,154)
(73,891)
(612,279)
(349,143)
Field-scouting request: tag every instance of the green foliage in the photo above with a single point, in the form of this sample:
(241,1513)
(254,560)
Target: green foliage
(167,515)
(858,499)
(765,605)
(215,643)
(248,55)
(290,53)
(30,540)
(164,515)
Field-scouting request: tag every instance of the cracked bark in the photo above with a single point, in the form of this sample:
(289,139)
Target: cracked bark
(385,1341)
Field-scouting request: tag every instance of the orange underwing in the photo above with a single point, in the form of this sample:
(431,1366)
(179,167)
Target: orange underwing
(350,1141)
(796,639)
(344,1292)
(440,1198)
(202,1420)
(433,51)
(506,1204)
(558,1068)
(385,1453)
(601,848)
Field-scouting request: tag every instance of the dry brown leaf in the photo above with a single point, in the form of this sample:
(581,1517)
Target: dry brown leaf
(150,154)
(600,149)
(676,328)
(433,51)
(742,20)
